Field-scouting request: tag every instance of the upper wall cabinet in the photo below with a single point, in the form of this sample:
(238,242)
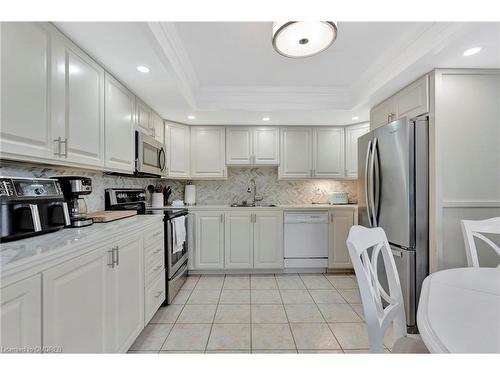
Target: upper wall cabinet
(25,71)
(208,152)
(252,146)
(352,133)
(119,126)
(157,127)
(328,152)
(142,116)
(410,102)
(77,104)
(177,143)
(296,153)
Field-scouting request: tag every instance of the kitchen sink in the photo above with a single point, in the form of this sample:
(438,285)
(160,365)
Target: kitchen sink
(251,205)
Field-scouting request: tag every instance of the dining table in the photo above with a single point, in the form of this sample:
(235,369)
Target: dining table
(459,311)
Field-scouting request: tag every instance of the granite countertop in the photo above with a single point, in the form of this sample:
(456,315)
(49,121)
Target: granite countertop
(44,247)
(322,206)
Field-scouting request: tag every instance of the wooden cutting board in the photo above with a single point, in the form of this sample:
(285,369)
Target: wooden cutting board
(107,216)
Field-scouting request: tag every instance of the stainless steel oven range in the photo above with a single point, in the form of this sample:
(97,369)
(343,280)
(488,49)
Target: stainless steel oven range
(175,226)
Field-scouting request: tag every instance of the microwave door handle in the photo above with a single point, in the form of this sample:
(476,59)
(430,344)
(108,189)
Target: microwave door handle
(367,184)
(162,159)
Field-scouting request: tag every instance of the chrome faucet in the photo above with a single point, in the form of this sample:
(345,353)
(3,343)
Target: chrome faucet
(253,189)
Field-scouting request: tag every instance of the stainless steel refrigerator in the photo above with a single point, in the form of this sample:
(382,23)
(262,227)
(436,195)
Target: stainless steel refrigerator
(393,170)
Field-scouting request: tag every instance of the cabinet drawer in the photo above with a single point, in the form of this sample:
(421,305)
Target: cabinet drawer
(153,248)
(156,234)
(155,295)
(154,266)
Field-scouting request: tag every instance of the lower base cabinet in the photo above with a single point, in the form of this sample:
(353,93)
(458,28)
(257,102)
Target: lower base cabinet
(21,316)
(209,240)
(239,240)
(341,222)
(268,240)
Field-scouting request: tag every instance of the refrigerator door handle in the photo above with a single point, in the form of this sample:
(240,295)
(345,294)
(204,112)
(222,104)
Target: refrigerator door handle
(371,193)
(367,184)
(375,182)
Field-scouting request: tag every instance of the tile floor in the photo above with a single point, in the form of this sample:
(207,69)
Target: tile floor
(282,313)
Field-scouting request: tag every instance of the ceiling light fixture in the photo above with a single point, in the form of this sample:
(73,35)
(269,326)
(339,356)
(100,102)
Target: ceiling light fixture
(472,51)
(143,69)
(266,118)
(191,117)
(303,38)
(355,118)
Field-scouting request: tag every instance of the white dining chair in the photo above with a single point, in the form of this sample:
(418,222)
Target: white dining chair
(477,228)
(359,242)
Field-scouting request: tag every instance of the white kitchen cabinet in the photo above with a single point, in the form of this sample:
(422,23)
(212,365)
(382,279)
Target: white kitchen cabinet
(268,239)
(209,250)
(208,152)
(328,152)
(252,146)
(21,315)
(76,307)
(126,293)
(119,126)
(142,116)
(25,85)
(352,133)
(341,222)
(77,104)
(238,239)
(177,143)
(157,127)
(411,101)
(296,153)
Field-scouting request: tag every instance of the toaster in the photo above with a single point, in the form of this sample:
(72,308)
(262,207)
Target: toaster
(338,197)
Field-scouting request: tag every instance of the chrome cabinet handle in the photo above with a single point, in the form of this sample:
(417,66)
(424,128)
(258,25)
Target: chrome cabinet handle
(158,294)
(58,140)
(65,142)
(157,234)
(157,251)
(111,256)
(157,268)
(117,249)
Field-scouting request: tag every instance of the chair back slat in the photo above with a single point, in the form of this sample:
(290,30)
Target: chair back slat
(476,229)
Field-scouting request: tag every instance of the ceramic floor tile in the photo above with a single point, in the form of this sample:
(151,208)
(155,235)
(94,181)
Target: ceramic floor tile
(270,351)
(167,314)
(263,282)
(268,314)
(326,296)
(152,337)
(197,314)
(187,337)
(238,297)
(204,297)
(313,336)
(359,310)
(316,282)
(295,296)
(304,313)
(338,313)
(229,337)
(142,352)
(231,351)
(272,336)
(261,297)
(320,351)
(290,282)
(232,314)
(210,283)
(181,297)
(237,282)
(182,351)
(342,282)
(190,282)
(351,295)
(364,351)
(351,335)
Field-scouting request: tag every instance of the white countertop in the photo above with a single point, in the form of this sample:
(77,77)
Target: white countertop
(16,254)
(323,206)
(459,311)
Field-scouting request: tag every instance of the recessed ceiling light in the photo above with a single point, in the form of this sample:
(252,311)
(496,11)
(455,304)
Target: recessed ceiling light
(355,118)
(472,51)
(143,69)
(191,117)
(266,118)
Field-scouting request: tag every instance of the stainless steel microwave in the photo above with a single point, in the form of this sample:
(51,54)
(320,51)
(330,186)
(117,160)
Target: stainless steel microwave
(150,157)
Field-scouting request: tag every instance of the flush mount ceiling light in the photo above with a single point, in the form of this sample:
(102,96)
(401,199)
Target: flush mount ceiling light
(355,118)
(472,51)
(303,38)
(266,118)
(143,69)
(191,117)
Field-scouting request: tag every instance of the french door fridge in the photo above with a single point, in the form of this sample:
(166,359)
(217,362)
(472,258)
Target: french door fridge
(393,194)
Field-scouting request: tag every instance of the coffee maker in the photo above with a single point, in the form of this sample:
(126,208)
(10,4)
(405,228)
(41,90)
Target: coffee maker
(73,188)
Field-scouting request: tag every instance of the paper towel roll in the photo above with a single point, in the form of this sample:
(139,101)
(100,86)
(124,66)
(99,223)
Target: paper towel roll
(190,195)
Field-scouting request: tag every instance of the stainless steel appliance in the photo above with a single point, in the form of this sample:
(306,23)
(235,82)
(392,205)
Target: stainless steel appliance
(150,157)
(30,206)
(73,187)
(175,257)
(393,194)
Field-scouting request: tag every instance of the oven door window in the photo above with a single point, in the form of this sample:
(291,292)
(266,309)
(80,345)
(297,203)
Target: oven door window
(149,155)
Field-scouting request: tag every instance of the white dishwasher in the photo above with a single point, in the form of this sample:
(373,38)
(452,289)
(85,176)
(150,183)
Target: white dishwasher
(306,239)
